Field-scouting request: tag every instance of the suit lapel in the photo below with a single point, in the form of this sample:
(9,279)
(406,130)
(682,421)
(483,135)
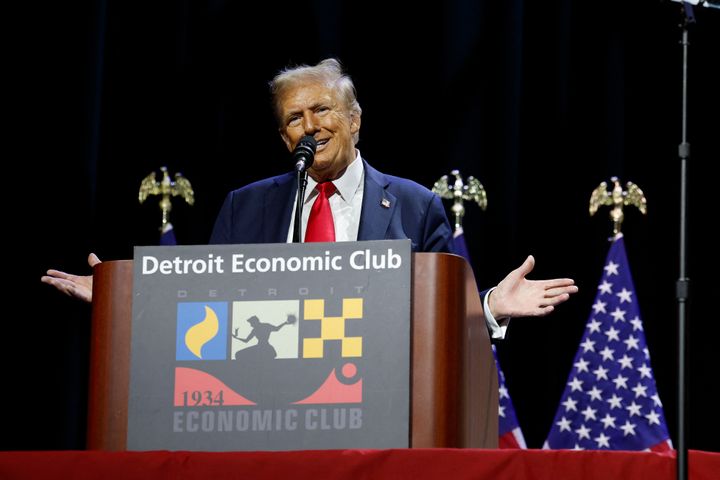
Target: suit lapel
(279,203)
(377,207)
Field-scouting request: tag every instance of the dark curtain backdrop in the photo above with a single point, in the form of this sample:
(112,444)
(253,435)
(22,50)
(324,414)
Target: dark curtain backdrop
(540,100)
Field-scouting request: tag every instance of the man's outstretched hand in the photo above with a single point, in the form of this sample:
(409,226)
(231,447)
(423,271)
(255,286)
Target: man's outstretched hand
(516,296)
(77,286)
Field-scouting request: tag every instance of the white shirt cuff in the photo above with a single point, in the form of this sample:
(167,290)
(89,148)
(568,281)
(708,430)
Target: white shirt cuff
(497,329)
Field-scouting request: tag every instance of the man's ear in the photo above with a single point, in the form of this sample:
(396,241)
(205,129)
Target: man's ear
(354,123)
(285,139)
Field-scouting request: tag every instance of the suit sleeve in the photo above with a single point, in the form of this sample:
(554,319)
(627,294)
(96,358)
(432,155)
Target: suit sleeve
(437,234)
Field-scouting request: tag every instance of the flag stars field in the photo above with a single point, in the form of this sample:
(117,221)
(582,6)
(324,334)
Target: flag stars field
(608,421)
(610,401)
(599,307)
(595,393)
(588,345)
(600,373)
(582,365)
(589,413)
(607,353)
(611,268)
(603,440)
(631,342)
(620,382)
(612,334)
(628,428)
(625,295)
(614,401)
(576,385)
(618,315)
(570,404)
(625,362)
(564,424)
(653,418)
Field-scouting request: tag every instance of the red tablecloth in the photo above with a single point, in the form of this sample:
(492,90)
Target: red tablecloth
(354,464)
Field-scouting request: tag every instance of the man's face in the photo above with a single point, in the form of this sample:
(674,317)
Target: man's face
(314,109)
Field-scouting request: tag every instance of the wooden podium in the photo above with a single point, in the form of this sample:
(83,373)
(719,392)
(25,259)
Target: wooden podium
(454,389)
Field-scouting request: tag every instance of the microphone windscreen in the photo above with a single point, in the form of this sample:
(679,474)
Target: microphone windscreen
(307,142)
(304,153)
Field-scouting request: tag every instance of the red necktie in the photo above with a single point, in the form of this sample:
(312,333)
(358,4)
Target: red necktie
(320,227)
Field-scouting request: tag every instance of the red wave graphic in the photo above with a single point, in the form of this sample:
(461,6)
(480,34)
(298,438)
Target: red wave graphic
(191,380)
(332,391)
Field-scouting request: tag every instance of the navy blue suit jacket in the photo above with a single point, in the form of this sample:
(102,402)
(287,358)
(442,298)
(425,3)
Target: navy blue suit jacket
(260,213)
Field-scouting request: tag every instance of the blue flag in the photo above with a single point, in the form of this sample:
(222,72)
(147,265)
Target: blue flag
(611,401)
(167,235)
(460,245)
(510,434)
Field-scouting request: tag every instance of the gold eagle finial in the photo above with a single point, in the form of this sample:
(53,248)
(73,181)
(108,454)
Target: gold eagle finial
(617,198)
(167,188)
(459,192)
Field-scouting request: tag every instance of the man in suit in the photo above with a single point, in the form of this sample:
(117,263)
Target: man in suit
(389,208)
(320,101)
(356,201)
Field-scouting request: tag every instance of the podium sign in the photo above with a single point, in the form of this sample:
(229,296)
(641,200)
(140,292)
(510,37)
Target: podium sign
(270,347)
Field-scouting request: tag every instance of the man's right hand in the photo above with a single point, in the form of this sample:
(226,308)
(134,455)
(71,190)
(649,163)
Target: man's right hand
(73,285)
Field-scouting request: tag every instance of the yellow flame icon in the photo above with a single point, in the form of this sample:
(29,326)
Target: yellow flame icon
(201,333)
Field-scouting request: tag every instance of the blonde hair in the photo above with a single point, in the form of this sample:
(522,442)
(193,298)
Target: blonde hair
(328,72)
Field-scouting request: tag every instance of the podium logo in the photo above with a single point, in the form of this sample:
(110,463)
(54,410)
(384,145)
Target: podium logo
(265,330)
(333,328)
(201,331)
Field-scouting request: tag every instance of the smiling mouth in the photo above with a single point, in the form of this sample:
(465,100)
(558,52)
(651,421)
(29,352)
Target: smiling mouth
(322,143)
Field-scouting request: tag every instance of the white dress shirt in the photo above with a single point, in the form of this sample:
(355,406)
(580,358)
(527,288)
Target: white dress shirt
(345,203)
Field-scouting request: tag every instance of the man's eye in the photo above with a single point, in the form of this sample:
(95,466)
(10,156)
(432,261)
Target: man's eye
(292,121)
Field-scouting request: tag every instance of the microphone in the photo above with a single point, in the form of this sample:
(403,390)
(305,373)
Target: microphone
(304,153)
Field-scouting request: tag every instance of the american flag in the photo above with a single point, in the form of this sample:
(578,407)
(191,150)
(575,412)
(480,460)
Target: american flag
(610,401)
(510,434)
